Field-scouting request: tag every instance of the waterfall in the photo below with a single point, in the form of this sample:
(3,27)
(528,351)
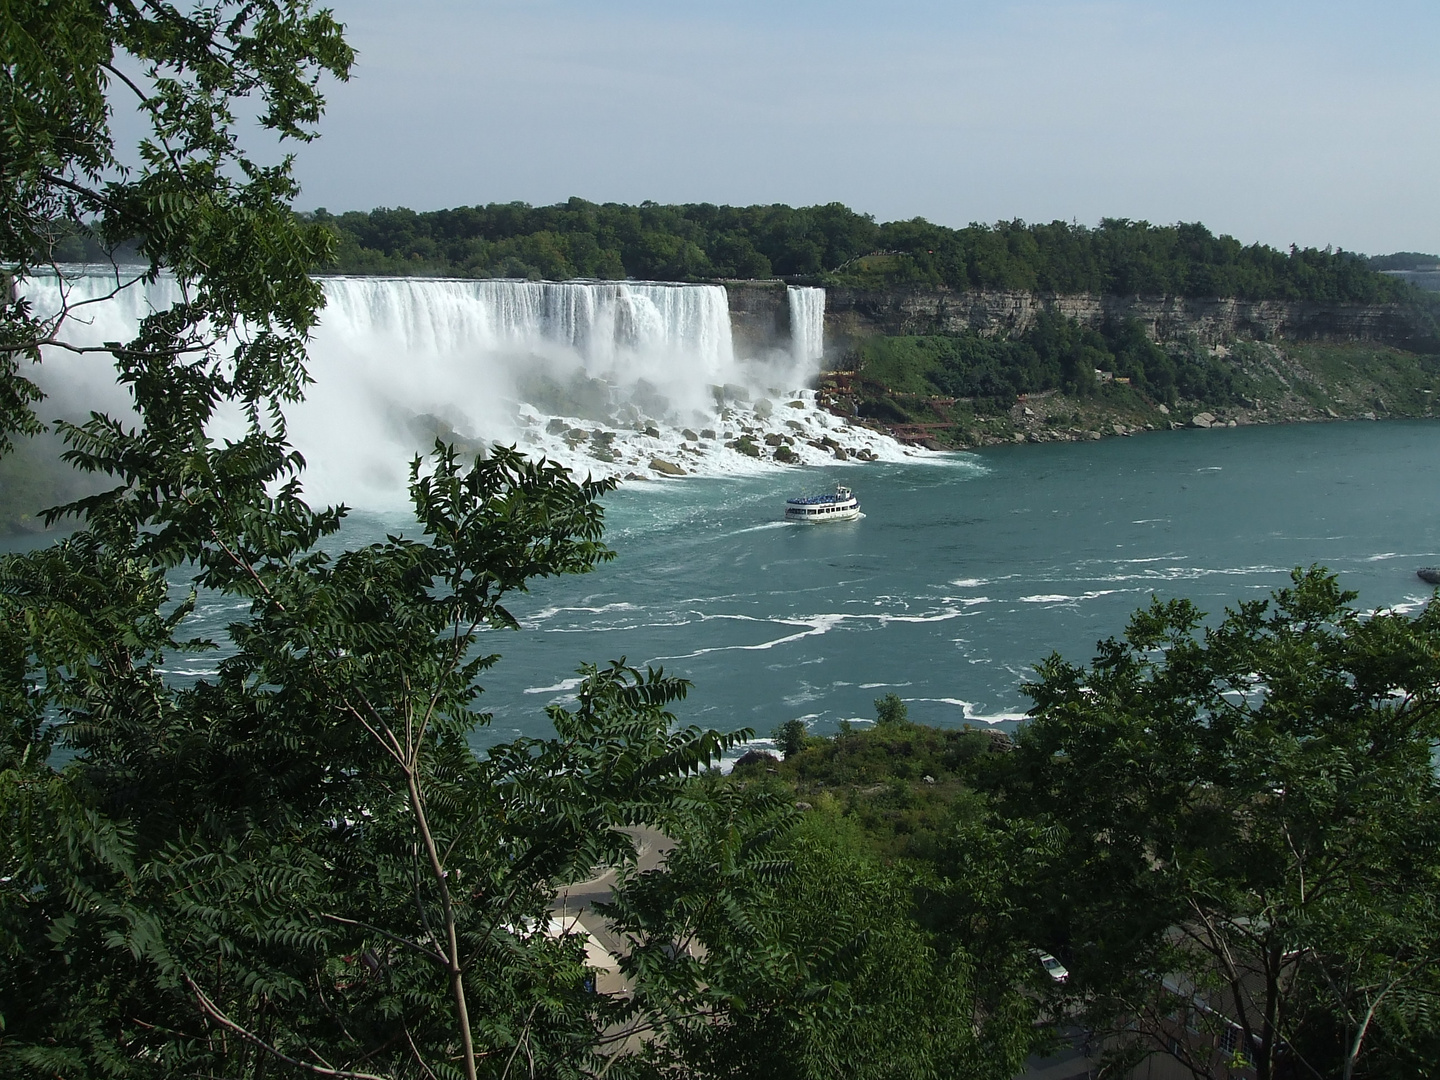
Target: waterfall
(585,372)
(671,333)
(807,326)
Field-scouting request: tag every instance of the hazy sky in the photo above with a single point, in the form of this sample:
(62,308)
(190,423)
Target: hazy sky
(1282,122)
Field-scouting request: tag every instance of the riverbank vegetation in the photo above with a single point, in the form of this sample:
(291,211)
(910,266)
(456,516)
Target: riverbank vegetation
(834,245)
(1226,830)
(1062,380)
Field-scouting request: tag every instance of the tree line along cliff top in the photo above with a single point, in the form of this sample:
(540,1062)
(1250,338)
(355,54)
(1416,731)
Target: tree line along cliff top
(835,246)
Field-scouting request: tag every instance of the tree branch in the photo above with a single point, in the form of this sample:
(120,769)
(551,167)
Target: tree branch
(416,946)
(212,1010)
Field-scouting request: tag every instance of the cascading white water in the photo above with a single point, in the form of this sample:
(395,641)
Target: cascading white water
(672,333)
(807,326)
(399,361)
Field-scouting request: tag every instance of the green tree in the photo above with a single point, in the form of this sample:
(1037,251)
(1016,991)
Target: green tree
(1243,830)
(297,863)
(891,709)
(790,737)
(814,962)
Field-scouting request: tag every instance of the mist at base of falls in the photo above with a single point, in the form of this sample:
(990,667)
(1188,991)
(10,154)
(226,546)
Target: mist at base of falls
(627,379)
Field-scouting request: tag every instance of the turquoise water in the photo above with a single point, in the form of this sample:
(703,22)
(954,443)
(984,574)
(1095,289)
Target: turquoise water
(965,573)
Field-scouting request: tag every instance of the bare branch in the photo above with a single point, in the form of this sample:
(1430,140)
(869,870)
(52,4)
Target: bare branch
(524,1034)
(212,1010)
(431,954)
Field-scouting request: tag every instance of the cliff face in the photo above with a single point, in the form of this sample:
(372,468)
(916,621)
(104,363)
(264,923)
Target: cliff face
(852,312)
(759,315)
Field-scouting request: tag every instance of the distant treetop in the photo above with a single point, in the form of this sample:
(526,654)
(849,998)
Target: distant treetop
(834,245)
(1405,260)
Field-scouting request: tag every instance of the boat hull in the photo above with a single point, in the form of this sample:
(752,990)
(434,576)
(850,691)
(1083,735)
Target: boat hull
(820,515)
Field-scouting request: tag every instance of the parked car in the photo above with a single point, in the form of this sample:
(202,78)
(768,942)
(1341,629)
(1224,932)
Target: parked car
(1054,968)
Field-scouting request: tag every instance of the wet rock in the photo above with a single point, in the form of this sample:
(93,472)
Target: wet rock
(840,453)
(795,404)
(756,757)
(690,436)
(653,432)
(763,408)
(773,439)
(1000,743)
(555,427)
(665,468)
(708,433)
(785,455)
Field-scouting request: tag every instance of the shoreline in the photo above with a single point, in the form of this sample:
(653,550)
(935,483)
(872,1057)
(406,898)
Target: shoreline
(1265,384)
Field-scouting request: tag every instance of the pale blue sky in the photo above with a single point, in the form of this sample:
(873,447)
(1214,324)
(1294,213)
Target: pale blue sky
(1274,121)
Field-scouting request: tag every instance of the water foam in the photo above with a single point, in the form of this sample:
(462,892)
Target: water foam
(606,378)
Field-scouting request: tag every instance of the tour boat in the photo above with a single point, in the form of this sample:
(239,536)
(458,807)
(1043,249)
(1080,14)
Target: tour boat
(839,505)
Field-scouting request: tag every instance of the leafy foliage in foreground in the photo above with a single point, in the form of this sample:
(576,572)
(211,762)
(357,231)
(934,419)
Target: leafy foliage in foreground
(813,956)
(1226,830)
(295,863)
(1243,830)
(304,852)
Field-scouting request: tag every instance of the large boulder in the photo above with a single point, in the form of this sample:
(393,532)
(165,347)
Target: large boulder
(1202,420)
(665,468)
(756,757)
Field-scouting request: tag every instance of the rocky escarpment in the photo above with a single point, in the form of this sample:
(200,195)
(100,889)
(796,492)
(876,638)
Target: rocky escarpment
(852,313)
(759,315)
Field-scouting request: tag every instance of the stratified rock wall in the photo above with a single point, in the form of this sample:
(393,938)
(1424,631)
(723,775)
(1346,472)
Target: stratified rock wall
(759,316)
(853,312)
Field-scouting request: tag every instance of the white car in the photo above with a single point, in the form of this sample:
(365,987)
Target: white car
(1054,968)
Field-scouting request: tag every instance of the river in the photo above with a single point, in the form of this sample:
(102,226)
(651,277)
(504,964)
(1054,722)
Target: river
(965,573)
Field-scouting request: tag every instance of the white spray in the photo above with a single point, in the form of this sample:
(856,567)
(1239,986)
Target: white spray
(602,376)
